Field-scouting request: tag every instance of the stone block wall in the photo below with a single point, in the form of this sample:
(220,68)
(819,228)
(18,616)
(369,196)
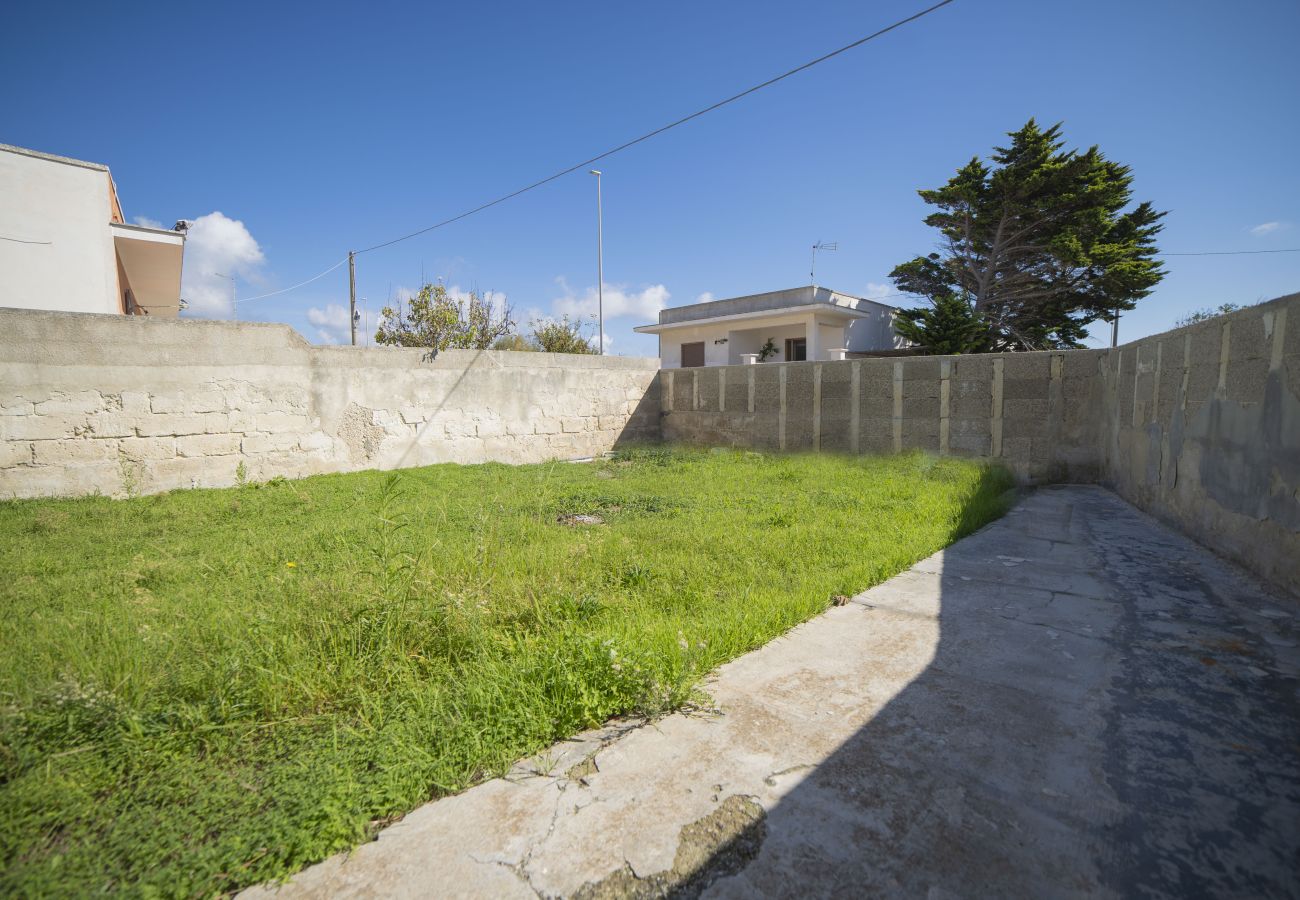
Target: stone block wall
(120,404)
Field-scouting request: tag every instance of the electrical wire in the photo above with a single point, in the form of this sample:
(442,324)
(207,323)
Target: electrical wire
(658,131)
(645,137)
(1231,252)
(296,286)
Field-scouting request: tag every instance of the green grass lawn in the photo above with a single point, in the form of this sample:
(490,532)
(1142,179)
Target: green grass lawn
(205,689)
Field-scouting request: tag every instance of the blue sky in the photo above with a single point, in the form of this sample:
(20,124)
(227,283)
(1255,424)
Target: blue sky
(322,127)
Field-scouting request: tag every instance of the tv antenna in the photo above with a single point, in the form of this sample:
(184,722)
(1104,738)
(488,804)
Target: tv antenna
(820,245)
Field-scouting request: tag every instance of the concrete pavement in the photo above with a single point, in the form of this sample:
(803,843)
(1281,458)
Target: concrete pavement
(1074,701)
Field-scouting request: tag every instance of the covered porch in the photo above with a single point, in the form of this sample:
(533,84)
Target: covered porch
(148,269)
(796,335)
(795,339)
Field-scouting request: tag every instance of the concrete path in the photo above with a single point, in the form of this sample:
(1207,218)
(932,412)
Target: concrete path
(1074,701)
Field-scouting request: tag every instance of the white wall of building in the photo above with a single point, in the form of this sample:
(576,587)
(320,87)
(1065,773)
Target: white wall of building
(748,336)
(876,332)
(63,210)
(751,340)
(731,328)
(670,345)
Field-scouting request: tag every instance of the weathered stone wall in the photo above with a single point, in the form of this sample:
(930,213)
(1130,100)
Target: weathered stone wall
(120,404)
(1202,429)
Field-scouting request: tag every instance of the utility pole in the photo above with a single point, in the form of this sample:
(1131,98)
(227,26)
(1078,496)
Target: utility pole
(600,267)
(352,294)
(1114,330)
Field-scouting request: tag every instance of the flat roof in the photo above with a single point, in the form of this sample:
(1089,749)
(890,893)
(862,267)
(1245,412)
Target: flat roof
(53,157)
(822,308)
(770,301)
(146,233)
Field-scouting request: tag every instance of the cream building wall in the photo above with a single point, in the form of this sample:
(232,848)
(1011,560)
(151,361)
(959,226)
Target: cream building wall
(56,250)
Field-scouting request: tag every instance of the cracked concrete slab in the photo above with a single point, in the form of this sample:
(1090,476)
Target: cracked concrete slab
(1075,700)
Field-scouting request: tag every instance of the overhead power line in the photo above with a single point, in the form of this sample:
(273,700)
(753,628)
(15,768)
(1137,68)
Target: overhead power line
(645,137)
(1231,252)
(296,286)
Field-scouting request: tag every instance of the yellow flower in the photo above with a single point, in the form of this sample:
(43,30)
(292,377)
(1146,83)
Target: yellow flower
(292,565)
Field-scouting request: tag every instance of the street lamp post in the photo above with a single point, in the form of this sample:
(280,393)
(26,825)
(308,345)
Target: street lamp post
(600,267)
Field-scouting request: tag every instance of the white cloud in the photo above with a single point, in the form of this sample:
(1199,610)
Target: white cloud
(146,222)
(1268,228)
(875,291)
(216,244)
(706,297)
(618,301)
(331,324)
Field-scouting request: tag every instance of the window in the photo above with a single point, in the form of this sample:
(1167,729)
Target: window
(692,355)
(796,349)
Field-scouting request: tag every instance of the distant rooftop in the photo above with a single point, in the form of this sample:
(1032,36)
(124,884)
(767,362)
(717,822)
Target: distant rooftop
(770,301)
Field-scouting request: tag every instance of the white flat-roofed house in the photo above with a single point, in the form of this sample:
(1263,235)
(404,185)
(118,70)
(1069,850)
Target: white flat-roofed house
(64,244)
(806,323)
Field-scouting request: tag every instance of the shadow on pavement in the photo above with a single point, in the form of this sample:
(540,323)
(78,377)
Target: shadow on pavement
(1109,710)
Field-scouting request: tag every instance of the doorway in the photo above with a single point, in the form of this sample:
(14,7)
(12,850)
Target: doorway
(692,355)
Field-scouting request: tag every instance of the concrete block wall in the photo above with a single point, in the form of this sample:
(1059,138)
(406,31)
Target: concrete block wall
(1199,426)
(1202,429)
(1036,412)
(120,404)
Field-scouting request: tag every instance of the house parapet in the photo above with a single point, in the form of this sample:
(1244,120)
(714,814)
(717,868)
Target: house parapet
(769,302)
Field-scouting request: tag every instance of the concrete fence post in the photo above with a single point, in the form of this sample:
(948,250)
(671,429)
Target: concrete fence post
(897,420)
(1155,384)
(1225,344)
(817,409)
(780,418)
(1279,335)
(995,414)
(855,406)
(945,394)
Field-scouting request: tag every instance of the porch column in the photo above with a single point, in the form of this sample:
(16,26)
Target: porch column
(813,337)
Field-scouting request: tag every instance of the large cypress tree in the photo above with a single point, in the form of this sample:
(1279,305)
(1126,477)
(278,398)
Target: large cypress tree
(1036,246)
